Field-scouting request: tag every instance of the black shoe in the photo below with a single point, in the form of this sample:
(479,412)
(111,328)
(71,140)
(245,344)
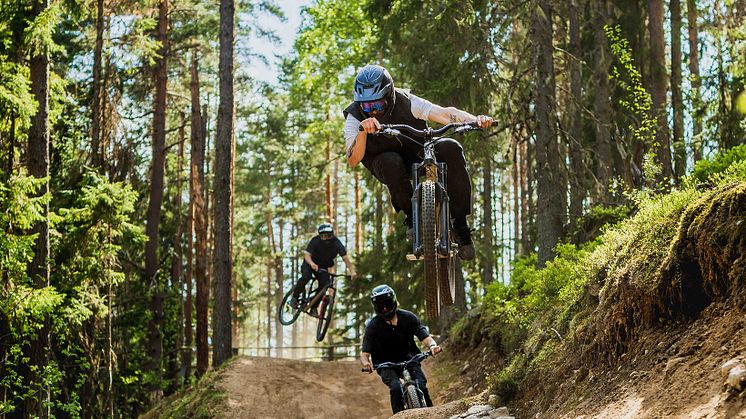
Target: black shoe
(465,245)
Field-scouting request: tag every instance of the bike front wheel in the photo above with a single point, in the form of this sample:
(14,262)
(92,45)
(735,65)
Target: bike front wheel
(286,314)
(429,251)
(413,398)
(326,309)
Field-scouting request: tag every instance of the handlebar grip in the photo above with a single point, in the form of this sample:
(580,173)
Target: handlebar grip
(360,128)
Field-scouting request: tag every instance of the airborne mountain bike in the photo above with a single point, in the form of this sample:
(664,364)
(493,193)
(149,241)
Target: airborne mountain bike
(412,395)
(431,218)
(316,301)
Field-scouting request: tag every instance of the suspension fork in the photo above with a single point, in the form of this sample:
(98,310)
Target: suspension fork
(444,243)
(417,190)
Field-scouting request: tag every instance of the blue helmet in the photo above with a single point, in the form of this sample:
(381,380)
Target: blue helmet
(373,82)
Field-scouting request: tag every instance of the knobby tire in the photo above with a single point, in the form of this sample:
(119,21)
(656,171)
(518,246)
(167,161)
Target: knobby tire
(447,280)
(429,251)
(325,316)
(286,314)
(413,397)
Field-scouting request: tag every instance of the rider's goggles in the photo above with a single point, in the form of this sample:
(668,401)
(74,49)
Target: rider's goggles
(375,105)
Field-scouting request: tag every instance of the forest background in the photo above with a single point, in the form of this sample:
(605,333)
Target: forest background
(155,197)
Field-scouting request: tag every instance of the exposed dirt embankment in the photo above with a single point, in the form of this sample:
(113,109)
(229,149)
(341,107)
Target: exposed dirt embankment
(654,344)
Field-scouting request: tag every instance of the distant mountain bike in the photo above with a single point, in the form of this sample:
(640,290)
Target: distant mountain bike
(314,300)
(412,395)
(431,217)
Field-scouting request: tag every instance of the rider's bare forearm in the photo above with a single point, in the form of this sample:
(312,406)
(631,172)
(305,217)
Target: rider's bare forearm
(444,116)
(357,149)
(307,258)
(349,265)
(364,358)
(429,341)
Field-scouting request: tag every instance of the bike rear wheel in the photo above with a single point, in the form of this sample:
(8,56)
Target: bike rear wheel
(326,309)
(447,280)
(413,398)
(286,314)
(429,251)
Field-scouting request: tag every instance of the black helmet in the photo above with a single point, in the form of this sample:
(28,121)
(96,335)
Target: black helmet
(384,301)
(325,228)
(373,83)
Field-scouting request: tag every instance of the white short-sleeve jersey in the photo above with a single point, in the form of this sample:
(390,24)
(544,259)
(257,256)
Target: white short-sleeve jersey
(420,109)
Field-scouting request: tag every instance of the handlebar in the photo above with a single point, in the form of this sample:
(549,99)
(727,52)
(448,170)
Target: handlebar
(458,127)
(417,358)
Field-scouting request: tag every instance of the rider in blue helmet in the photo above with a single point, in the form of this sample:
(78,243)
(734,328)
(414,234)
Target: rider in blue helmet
(377,101)
(389,337)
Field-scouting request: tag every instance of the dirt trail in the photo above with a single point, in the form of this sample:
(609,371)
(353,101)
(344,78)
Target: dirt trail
(290,389)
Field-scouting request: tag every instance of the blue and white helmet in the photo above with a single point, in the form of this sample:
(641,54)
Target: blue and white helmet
(373,82)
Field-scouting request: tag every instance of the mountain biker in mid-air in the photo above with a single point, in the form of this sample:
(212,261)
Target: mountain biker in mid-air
(389,338)
(318,260)
(377,102)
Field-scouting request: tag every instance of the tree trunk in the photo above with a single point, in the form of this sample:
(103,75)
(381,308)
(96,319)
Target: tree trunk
(516,182)
(155,324)
(691,9)
(679,147)
(659,87)
(279,290)
(578,178)
(524,159)
(200,222)
(186,353)
(602,102)
(550,185)
(223,260)
(38,167)
(172,370)
(378,231)
(358,217)
(489,253)
(96,98)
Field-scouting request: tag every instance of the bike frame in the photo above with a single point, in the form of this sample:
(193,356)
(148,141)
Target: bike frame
(406,377)
(429,170)
(319,291)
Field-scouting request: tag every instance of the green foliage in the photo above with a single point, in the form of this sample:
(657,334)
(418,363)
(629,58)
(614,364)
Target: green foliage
(705,169)
(15,94)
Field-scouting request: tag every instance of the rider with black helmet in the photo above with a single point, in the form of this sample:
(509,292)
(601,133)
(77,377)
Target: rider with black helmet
(320,253)
(389,337)
(376,102)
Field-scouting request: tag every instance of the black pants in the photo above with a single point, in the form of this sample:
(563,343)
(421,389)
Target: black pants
(394,169)
(306,273)
(390,377)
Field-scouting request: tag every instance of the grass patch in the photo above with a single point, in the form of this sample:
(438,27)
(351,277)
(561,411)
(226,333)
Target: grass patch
(203,400)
